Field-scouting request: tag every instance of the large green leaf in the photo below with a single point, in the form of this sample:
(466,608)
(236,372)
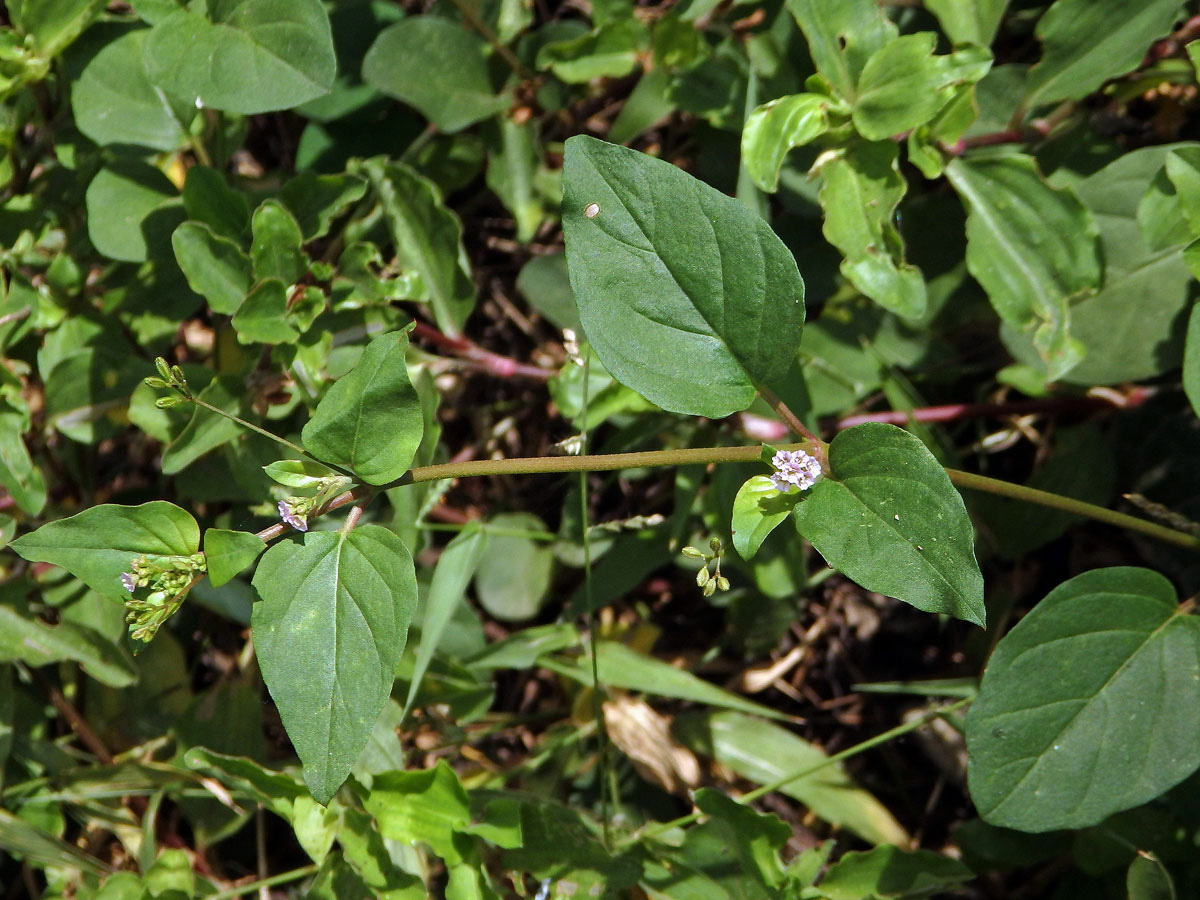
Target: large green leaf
(370,421)
(514,576)
(115,102)
(1088,706)
(18,474)
(428,239)
(132,210)
(248,56)
(842,36)
(1032,247)
(98,544)
(1134,327)
(427,807)
(904,84)
(861,188)
(214,266)
(764,752)
(329,631)
(1086,42)
(888,517)
(53,24)
(775,128)
(436,66)
(686,295)
(968,21)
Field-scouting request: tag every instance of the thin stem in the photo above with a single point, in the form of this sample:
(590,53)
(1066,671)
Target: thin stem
(815,444)
(778,783)
(1078,507)
(472,18)
(250,887)
(467,350)
(16,315)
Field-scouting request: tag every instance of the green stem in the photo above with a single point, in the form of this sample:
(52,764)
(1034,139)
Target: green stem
(816,445)
(252,886)
(1077,507)
(778,783)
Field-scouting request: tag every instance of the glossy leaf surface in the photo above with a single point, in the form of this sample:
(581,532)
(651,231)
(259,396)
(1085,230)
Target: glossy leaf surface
(685,295)
(888,517)
(775,128)
(329,631)
(1088,706)
(229,553)
(215,267)
(842,37)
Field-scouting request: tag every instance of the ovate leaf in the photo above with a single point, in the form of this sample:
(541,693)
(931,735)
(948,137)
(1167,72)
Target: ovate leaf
(249,56)
(968,21)
(888,517)
(316,200)
(215,267)
(860,191)
(370,421)
(426,807)
(889,872)
(1086,42)
(131,210)
(904,85)
(18,474)
(758,507)
(262,318)
(53,24)
(686,295)
(329,631)
(775,128)
(436,66)
(276,246)
(115,102)
(230,552)
(98,544)
(1088,706)
(1033,248)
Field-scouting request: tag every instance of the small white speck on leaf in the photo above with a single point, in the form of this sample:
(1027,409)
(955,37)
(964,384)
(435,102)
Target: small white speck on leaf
(591,210)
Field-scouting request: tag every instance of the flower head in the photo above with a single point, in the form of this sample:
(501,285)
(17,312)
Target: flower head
(129,581)
(294,511)
(795,470)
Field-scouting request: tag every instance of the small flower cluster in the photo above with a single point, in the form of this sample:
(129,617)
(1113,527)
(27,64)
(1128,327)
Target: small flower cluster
(169,578)
(709,583)
(795,470)
(172,379)
(295,511)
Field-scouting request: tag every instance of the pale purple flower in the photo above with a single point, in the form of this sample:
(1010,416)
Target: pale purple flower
(129,581)
(795,470)
(290,516)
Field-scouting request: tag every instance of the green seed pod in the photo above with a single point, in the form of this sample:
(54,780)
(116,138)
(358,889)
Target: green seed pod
(163,369)
(722,583)
(167,402)
(715,543)
(710,588)
(692,552)
(702,577)
(156,383)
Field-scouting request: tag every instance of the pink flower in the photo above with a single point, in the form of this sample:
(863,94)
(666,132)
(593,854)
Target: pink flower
(795,470)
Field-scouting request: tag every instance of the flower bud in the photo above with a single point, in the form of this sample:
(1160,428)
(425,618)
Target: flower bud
(702,577)
(167,402)
(722,583)
(163,369)
(156,383)
(715,543)
(710,588)
(692,553)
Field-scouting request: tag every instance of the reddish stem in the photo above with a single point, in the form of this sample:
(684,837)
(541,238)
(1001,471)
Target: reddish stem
(492,363)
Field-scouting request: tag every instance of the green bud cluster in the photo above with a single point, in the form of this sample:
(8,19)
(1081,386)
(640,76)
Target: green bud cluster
(172,379)
(709,582)
(168,580)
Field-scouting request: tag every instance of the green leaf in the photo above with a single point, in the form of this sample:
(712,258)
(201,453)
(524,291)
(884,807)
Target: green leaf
(455,567)
(214,266)
(436,66)
(775,128)
(262,318)
(607,52)
(36,846)
(230,552)
(1082,47)
(686,295)
(514,576)
(968,21)
(763,752)
(206,430)
(98,544)
(904,85)
(889,872)
(131,209)
(758,507)
(277,241)
(210,201)
(1183,169)
(252,56)
(511,173)
(329,631)
(860,191)
(274,790)
(842,36)
(298,473)
(1191,360)
(18,474)
(1148,879)
(54,24)
(36,643)
(1032,247)
(428,239)
(370,421)
(316,200)
(116,103)
(887,516)
(1088,706)
(424,807)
